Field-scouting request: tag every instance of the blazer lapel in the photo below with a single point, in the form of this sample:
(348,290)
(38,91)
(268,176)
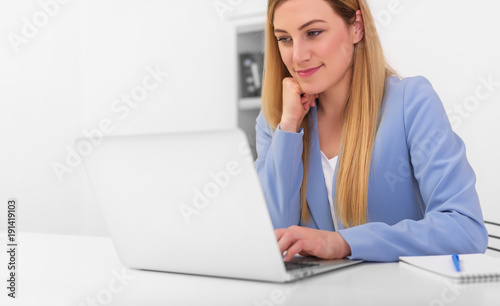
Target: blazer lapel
(317,199)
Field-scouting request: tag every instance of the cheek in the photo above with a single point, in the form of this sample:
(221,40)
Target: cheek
(337,52)
(286,57)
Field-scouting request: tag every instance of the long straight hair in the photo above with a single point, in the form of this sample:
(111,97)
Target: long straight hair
(361,112)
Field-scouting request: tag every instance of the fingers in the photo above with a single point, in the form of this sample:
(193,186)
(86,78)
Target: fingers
(292,85)
(298,246)
(279,232)
(308,101)
(293,250)
(296,104)
(300,240)
(290,240)
(285,241)
(311,242)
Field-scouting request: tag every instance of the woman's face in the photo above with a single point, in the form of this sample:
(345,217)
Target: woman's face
(315,43)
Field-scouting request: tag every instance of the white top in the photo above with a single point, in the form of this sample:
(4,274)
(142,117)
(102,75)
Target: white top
(329,166)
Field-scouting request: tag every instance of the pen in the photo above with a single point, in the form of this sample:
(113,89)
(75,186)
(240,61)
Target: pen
(456,262)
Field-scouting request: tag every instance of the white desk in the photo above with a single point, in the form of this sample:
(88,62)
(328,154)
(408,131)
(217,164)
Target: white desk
(80,270)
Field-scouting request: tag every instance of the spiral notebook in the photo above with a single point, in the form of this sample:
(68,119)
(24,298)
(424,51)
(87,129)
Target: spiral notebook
(473,267)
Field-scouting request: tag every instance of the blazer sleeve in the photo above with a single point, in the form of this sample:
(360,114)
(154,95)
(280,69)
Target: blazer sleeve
(280,169)
(453,221)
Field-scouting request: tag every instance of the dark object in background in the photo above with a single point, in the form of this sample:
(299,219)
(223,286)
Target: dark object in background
(251,67)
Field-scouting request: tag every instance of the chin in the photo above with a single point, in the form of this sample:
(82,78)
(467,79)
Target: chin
(311,90)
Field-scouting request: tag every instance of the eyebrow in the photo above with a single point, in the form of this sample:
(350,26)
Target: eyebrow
(302,26)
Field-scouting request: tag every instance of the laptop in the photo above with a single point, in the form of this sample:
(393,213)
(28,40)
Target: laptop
(191,203)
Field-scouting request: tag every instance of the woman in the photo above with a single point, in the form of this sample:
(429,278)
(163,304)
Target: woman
(354,161)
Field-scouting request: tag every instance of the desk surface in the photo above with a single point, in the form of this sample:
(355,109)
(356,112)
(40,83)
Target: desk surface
(80,270)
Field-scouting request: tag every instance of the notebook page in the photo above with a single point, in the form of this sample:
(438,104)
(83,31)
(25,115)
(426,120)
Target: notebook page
(471,265)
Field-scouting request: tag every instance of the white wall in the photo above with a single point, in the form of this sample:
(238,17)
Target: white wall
(39,112)
(70,77)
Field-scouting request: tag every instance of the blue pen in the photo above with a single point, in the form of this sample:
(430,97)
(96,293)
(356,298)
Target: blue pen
(456,262)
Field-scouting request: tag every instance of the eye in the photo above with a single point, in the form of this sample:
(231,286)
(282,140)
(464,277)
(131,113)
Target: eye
(313,33)
(284,40)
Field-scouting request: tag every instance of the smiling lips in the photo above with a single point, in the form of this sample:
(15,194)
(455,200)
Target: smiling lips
(308,72)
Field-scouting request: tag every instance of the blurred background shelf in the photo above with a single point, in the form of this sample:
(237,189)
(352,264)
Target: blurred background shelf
(250,103)
(250,56)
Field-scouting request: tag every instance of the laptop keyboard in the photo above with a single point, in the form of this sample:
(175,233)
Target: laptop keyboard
(299,265)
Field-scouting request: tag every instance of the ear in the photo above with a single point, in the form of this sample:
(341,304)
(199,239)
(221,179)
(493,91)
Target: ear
(358,28)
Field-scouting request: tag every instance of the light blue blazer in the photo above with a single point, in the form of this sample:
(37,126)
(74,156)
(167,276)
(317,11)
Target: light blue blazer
(421,194)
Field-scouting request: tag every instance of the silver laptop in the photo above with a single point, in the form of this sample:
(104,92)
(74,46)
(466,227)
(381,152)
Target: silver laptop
(191,203)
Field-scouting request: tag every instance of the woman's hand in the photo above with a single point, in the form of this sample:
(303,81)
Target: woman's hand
(311,242)
(296,104)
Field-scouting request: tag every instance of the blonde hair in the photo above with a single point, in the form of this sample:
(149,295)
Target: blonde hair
(361,112)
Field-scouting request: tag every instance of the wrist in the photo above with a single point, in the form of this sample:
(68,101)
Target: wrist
(288,126)
(342,247)
(346,248)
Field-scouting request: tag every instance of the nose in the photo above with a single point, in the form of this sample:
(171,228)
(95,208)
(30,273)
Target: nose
(301,52)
